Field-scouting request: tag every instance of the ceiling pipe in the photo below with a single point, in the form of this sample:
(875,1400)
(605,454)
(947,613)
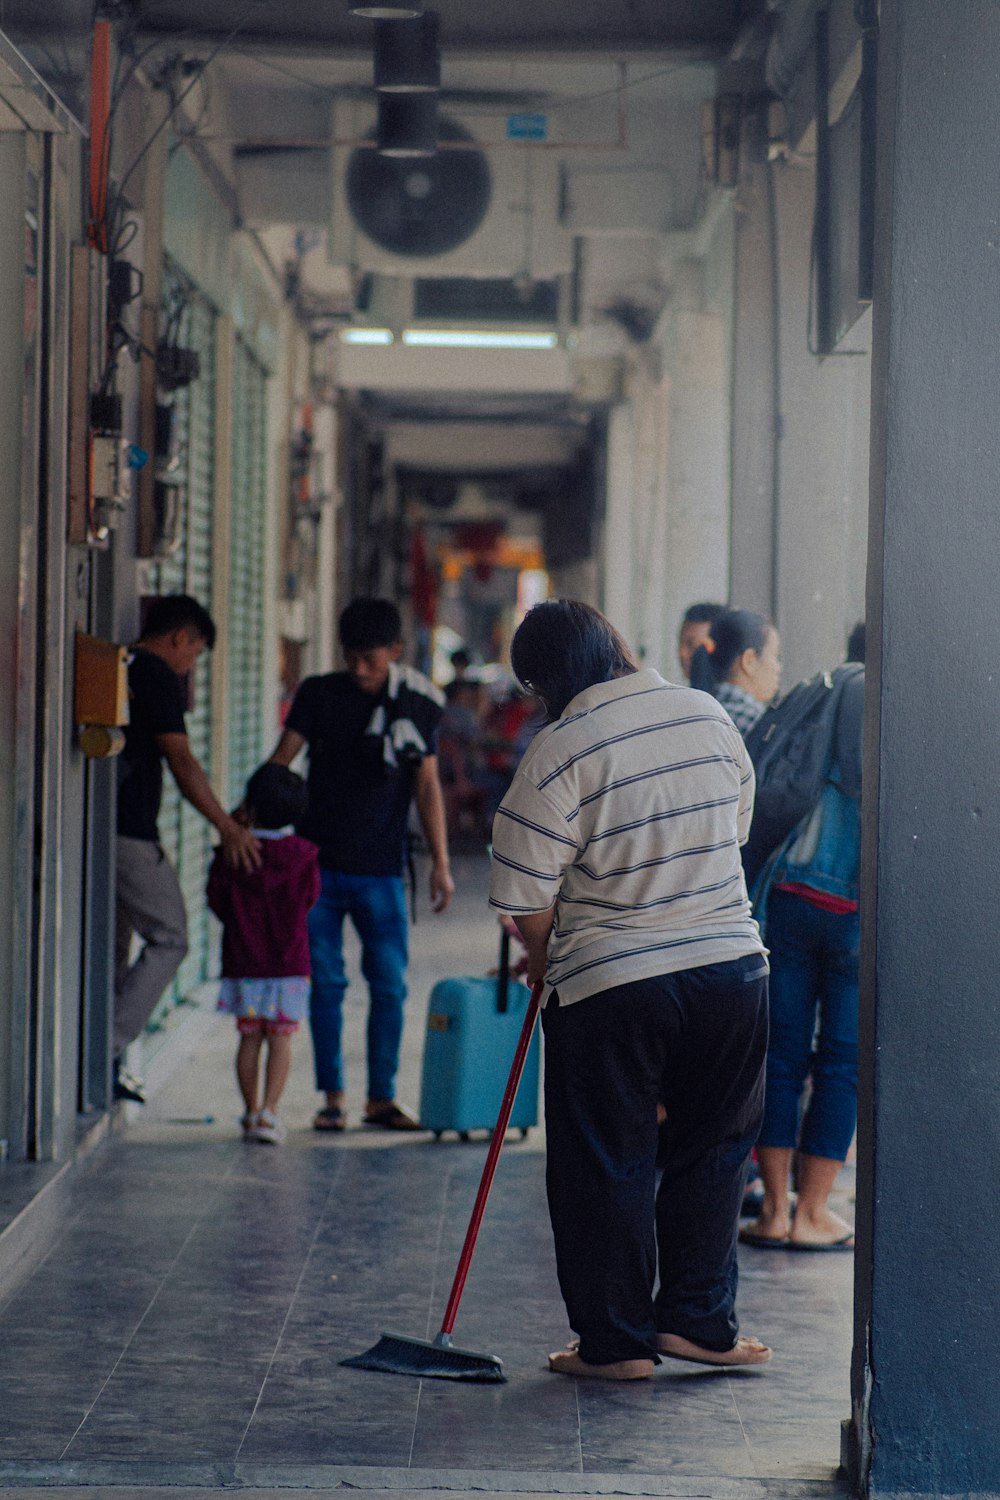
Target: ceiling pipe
(407,125)
(407,55)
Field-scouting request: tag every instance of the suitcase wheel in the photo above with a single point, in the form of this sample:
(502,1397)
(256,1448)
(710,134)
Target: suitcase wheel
(438,1134)
(463,1135)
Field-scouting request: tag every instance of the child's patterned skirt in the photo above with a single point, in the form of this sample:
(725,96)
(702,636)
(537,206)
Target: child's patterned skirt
(273,1007)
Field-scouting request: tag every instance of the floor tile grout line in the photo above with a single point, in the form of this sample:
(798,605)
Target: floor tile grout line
(442,1221)
(148,1308)
(288,1311)
(432,1293)
(579,1422)
(739,1416)
(416,1418)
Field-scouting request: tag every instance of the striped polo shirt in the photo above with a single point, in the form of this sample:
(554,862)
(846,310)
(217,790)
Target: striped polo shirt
(628,813)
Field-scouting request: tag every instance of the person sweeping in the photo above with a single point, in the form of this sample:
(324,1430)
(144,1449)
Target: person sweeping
(616,853)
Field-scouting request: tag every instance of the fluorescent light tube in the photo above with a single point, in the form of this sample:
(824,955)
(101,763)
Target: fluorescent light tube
(366,335)
(455,338)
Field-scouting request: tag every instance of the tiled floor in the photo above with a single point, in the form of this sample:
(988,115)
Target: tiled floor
(187,1325)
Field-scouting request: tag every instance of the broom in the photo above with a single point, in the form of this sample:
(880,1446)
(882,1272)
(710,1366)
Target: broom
(395,1354)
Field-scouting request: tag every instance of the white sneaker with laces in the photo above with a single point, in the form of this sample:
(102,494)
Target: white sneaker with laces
(270,1129)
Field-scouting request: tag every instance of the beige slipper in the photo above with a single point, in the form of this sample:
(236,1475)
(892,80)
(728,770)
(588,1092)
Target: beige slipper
(568,1362)
(745,1351)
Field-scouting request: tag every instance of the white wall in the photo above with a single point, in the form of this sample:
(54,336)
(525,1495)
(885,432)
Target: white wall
(822,522)
(799,551)
(666,533)
(729,477)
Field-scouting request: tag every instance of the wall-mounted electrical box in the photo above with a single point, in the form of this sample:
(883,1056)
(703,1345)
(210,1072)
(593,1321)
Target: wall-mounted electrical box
(100,695)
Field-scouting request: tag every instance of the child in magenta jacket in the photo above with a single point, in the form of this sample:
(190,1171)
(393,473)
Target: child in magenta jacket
(265,943)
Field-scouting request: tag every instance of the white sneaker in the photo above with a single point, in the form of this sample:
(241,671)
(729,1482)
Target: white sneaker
(248,1124)
(270,1129)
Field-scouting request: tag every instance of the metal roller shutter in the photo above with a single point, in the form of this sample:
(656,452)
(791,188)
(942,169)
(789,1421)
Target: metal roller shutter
(184,833)
(246,727)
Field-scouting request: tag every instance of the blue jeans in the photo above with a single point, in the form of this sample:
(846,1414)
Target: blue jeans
(376,904)
(814,1026)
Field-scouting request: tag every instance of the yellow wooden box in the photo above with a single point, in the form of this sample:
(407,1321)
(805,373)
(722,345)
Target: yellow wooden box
(100,682)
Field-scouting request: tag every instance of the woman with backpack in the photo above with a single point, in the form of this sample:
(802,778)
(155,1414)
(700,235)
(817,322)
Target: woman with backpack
(744,658)
(807,895)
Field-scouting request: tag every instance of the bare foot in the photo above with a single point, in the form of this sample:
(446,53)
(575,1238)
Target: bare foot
(820,1229)
(746,1351)
(568,1362)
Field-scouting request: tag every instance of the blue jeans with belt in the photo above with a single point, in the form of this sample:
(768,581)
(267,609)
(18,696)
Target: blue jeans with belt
(376,904)
(814,1026)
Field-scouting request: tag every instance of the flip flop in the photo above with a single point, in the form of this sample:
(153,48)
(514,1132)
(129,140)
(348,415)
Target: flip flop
(390,1116)
(845,1243)
(745,1353)
(330,1118)
(765,1241)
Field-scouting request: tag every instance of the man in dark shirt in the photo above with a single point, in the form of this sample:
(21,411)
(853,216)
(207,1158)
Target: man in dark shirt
(148,897)
(371,733)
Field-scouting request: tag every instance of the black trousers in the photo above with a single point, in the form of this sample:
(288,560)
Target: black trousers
(695,1041)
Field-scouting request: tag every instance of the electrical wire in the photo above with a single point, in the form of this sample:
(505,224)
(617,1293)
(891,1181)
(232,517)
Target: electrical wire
(180,100)
(622,87)
(276,67)
(119,230)
(626,85)
(196,128)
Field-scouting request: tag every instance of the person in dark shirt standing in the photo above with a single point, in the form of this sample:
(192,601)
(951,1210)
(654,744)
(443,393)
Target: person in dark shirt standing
(371,733)
(148,898)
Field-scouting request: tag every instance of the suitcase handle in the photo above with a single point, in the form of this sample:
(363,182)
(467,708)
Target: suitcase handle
(503,976)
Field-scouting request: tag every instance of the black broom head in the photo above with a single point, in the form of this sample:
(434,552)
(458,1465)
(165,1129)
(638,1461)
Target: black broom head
(394,1354)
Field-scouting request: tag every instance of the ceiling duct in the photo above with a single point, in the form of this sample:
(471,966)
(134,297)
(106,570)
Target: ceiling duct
(407,55)
(407,127)
(385,10)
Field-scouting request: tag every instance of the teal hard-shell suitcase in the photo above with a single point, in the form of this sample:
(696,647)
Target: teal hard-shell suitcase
(473,1027)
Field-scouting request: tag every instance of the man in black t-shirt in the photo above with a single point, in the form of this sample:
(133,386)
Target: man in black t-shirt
(148,898)
(371,733)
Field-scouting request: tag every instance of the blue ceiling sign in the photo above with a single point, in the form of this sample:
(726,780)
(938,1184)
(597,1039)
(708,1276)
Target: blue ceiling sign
(527,127)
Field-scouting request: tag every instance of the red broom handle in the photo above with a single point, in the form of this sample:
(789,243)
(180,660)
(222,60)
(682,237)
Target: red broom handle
(493,1156)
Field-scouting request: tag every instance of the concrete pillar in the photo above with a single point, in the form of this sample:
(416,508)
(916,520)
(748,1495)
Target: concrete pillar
(926,1378)
(754,436)
(18,523)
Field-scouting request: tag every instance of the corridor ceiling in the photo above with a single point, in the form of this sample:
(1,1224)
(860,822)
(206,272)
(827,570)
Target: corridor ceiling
(275,68)
(709,27)
(275,85)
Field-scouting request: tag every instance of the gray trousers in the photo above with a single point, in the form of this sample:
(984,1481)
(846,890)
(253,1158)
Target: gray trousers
(148,901)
